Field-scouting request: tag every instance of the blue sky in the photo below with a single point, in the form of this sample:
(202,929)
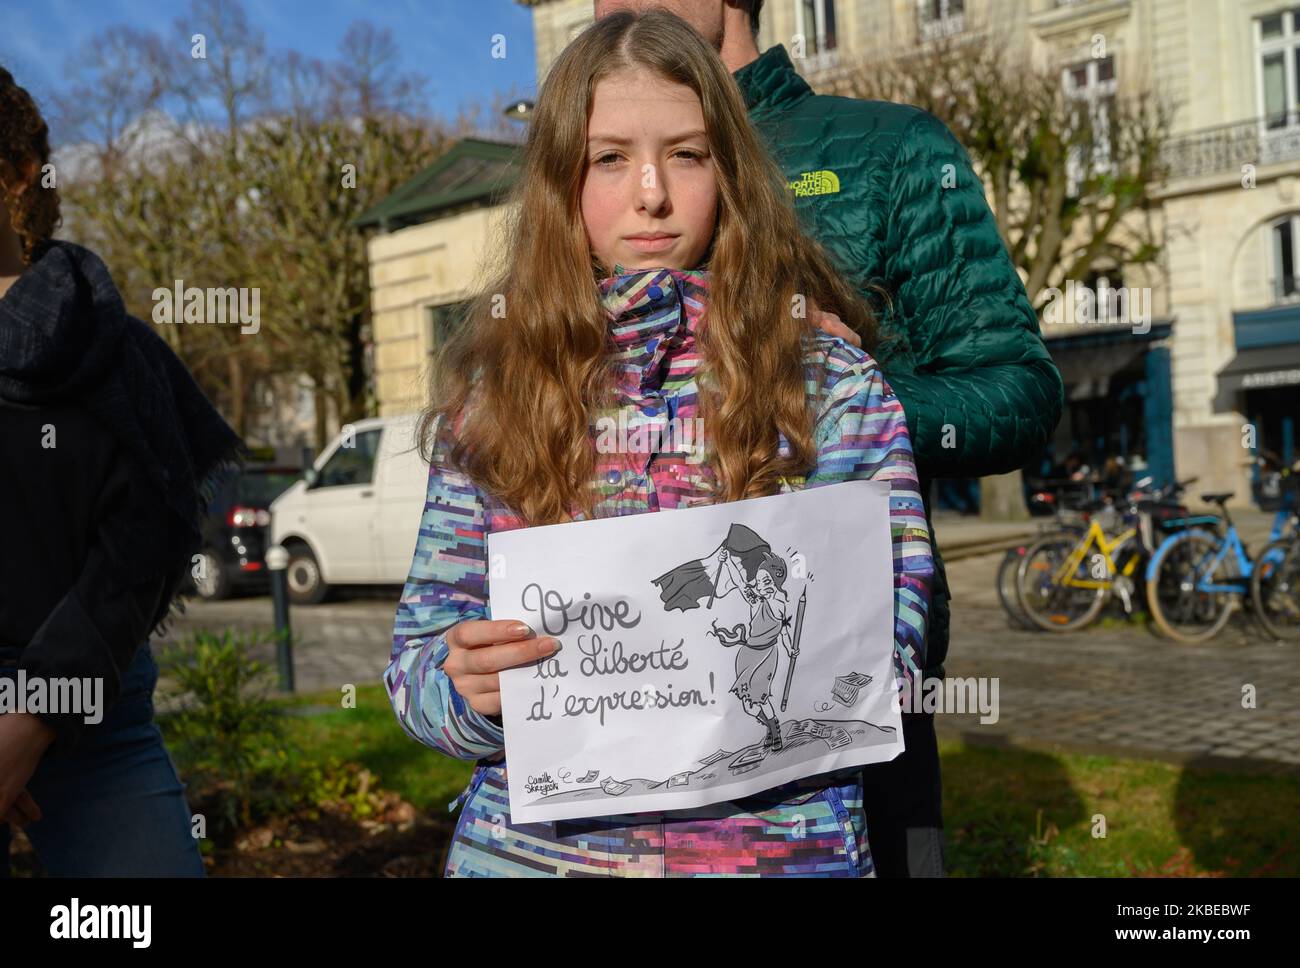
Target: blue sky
(447,40)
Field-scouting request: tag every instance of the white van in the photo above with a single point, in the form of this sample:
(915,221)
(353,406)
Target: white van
(354,517)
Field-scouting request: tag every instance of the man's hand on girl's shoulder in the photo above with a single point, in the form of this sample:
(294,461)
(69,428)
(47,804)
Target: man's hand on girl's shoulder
(832,325)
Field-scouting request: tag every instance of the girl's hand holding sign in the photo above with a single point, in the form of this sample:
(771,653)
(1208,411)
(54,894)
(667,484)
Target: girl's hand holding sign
(479,650)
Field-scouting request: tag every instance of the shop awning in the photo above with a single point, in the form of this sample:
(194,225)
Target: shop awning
(1262,368)
(1087,361)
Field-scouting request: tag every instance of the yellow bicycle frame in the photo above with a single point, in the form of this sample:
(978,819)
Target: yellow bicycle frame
(1065,575)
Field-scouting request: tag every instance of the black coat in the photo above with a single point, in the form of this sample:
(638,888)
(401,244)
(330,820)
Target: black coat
(109,453)
(67,609)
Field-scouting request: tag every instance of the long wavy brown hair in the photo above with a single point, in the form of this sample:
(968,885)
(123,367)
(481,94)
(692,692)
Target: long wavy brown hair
(523,386)
(24,142)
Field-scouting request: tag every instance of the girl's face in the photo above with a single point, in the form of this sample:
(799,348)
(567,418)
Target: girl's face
(649,194)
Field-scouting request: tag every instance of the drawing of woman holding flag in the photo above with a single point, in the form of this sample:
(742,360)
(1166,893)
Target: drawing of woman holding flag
(769,623)
(744,562)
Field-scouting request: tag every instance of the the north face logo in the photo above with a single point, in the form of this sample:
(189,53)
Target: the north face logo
(816,183)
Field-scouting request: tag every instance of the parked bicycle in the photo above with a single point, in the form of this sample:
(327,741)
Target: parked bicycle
(1062,497)
(1275,584)
(1065,579)
(1198,577)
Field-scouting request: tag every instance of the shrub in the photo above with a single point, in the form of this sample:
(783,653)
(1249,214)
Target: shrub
(231,745)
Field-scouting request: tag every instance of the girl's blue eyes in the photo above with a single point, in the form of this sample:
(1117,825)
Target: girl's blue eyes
(692,156)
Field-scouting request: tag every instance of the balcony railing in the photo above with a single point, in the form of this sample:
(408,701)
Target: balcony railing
(1226,147)
(933,28)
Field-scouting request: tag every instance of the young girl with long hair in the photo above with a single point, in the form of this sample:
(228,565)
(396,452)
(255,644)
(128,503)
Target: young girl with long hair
(653,264)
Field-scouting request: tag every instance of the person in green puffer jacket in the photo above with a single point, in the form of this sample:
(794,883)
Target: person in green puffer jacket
(892,196)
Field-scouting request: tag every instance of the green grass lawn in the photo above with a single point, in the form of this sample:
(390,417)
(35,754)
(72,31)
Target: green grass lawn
(1013,811)
(1007,812)
(370,735)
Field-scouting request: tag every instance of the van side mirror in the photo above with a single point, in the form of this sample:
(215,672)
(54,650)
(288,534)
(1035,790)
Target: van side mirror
(311,476)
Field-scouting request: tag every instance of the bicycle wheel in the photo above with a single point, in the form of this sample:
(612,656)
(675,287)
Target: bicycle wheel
(1275,589)
(1179,609)
(1007,589)
(1049,605)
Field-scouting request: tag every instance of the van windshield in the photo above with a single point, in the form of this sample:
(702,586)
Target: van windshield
(351,465)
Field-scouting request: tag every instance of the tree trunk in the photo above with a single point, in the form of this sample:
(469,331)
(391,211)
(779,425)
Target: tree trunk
(357,379)
(322,417)
(1002,498)
(235,372)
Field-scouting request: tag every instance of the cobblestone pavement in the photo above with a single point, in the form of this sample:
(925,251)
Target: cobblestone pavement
(1119,688)
(1115,688)
(343,642)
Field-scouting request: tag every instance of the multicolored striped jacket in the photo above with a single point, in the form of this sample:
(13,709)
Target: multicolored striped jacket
(813,826)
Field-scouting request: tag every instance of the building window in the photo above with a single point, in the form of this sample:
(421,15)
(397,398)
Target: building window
(1277,40)
(940,18)
(814,20)
(1092,84)
(1104,284)
(1102,281)
(440,322)
(1091,80)
(1284,257)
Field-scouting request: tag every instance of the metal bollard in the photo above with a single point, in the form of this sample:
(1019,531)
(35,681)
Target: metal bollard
(277,561)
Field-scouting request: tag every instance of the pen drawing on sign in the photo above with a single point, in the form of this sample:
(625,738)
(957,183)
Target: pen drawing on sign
(745,596)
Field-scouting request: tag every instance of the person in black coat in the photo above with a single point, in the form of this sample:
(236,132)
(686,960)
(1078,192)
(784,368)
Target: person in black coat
(109,452)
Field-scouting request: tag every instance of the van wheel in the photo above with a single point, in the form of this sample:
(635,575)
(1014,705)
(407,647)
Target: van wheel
(306,586)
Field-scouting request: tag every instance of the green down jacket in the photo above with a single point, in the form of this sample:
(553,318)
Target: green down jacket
(892,196)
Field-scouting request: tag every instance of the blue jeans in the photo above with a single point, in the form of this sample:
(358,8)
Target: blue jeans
(115,806)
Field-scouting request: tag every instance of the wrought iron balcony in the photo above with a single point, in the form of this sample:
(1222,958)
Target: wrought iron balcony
(933,28)
(1226,147)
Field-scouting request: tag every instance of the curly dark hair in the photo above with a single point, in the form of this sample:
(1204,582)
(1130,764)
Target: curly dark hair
(24,140)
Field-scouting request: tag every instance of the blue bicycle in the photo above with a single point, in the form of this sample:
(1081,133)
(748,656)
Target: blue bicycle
(1275,585)
(1197,578)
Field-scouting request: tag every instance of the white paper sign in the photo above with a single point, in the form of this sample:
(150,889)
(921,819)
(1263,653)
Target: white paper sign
(675,686)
